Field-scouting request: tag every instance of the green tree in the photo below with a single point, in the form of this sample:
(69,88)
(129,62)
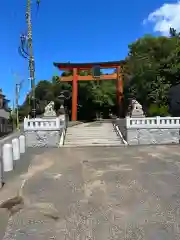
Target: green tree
(44,91)
(149,70)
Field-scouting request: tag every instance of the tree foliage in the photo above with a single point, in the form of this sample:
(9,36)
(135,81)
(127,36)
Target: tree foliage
(154,66)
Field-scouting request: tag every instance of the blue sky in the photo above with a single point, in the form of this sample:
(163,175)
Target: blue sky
(76,31)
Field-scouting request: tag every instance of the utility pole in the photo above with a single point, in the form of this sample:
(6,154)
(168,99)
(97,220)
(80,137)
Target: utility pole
(13,113)
(17,90)
(31,58)
(17,93)
(18,86)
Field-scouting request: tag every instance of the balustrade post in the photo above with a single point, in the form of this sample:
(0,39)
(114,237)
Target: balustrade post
(158,120)
(128,122)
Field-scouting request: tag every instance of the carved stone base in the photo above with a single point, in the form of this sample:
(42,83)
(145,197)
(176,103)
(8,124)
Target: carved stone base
(152,136)
(42,138)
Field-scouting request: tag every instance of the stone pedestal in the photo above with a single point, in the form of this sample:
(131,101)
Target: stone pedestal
(44,132)
(152,130)
(152,136)
(43,138)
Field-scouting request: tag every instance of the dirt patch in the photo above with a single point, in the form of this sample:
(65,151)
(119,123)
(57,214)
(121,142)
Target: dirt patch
(13,205)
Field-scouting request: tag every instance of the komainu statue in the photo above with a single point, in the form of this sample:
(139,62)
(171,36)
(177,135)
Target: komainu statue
(49,110)
(135,109)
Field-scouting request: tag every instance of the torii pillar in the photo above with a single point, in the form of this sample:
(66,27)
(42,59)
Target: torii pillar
(119,91)
(74,94)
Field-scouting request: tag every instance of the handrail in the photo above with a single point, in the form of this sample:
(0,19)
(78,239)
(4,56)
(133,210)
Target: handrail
(118,132)
(153,122)
(66,126)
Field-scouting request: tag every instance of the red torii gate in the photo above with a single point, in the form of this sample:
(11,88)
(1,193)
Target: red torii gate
(75,67)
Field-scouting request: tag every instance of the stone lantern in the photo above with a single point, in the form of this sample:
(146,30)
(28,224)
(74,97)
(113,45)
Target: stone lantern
(61,110)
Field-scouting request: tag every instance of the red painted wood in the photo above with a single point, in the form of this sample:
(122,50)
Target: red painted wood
(119,89)
(89,78)
(74,94)
(86,66)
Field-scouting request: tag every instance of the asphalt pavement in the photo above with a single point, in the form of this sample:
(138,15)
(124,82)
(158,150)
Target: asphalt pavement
(127,193)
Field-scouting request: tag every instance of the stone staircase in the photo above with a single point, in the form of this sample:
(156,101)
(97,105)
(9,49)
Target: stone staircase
(92,134)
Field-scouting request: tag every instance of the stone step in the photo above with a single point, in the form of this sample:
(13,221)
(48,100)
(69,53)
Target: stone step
(91,136)
(92,132)
(91,128)
(91,144)
(92,139)
(88,131)
(99,135)
(95,142)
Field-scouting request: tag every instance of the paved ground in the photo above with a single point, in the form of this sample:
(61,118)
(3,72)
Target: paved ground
(127,193)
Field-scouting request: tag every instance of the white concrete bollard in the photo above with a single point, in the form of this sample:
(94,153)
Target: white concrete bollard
(7,157)
(16,150)
(22,144)
(62,138)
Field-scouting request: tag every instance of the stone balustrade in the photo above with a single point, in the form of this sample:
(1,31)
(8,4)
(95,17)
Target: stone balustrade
(152,130)
(42,124)
(44,132)
(153,122)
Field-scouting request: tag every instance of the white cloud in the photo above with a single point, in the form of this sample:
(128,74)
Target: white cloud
(168,15)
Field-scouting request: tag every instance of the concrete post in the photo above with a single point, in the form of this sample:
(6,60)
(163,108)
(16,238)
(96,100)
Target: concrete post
(16,150)
(62,138)
(7,157)
(22,144)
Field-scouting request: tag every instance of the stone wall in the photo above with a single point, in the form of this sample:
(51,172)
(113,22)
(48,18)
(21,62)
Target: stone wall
(46,138)
(152,136)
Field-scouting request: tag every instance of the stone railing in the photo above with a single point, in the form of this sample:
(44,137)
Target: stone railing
(153,122)
(42,124)
(44,132)
(153,130)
